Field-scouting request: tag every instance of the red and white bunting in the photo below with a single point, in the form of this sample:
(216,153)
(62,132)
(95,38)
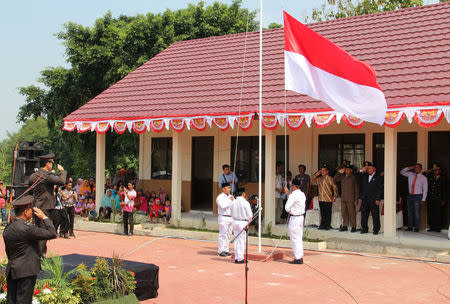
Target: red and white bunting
(323,120)
(199,123)
(245,122)
(424,117)
(157,125)
(85,126)
(177,124)
(429,117)
(393,118)
(353,121)
(120,126)
(140,126)
(270,121)
(295,122)
(102,127)
(221,123)
(69,126)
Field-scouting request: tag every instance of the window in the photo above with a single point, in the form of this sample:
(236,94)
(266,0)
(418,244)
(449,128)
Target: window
(162,158)
(247,158)
(283,152)
(333,149)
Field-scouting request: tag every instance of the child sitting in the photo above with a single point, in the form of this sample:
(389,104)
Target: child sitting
(156,210)
(167,211)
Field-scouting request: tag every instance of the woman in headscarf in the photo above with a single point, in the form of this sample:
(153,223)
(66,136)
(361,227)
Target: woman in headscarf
(108,201)
(163,196)
(85,188)
(77,187)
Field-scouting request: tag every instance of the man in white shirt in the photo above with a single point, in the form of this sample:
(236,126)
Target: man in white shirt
(295,206)
(224,202)
(418,190)
(241,212)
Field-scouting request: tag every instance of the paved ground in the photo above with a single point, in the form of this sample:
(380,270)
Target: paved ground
(191,272)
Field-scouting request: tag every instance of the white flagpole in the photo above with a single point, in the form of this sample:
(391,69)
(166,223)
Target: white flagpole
(260,123)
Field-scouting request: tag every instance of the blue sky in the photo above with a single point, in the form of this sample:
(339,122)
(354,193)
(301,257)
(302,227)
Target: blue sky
(28,44)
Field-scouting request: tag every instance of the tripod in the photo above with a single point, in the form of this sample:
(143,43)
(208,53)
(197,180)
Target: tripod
(246,248)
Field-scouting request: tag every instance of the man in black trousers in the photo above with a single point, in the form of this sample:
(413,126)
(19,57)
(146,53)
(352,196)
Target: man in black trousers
(22,239)
(371,195)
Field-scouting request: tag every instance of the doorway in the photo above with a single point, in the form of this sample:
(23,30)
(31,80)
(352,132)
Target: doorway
(202,173)
(438,153)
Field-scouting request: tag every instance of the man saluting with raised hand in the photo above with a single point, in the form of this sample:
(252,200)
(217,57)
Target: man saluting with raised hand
(224,201)
(295,206)
(22,248)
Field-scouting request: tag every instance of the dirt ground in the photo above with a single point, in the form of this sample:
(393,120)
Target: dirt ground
(191,272)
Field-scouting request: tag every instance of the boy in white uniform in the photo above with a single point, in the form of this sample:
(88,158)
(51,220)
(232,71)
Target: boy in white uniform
(241,212)
(295,206)
(224,202)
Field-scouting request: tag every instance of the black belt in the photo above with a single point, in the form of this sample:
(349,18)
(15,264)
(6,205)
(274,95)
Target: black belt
(297,214)
(240,220)
(225,215)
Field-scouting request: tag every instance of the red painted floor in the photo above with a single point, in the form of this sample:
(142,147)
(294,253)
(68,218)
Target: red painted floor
(191,272)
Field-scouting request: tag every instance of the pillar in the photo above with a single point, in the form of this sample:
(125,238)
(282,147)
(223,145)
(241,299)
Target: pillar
(177,160)
(390,181)
(422,157)
(99,169)
(269,184)
(145,156)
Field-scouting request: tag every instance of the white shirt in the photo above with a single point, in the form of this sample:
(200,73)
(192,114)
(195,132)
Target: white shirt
(279,184)
(241,210)
(223,204)
(371,176)
(421,184)
(130,202)
(295,204)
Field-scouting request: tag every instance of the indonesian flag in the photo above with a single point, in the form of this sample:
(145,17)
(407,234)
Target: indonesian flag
(320,69)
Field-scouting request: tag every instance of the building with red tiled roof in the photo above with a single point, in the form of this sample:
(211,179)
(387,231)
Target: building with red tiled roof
(208,86)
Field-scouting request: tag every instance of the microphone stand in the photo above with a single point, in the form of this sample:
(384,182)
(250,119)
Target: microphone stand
(246,248)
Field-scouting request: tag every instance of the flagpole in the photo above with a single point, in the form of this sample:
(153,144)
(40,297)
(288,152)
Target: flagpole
(260,123)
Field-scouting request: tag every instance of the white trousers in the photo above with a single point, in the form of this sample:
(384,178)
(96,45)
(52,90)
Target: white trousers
(296,235)
(239,242)
(225,227)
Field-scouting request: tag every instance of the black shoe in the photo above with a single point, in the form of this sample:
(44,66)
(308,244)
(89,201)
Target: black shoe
(416,229)
(296,261)
(71,234)
(239,262)
(321,228)
(409,229)
(222,254)
(353,229)
(228,254)
(327,228)
(364,231)
(375,233)
(343,228)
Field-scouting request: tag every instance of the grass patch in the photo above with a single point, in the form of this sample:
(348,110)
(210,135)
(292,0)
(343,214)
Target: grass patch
(192,229)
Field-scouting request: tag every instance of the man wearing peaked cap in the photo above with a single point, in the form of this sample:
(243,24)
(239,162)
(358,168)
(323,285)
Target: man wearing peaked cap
(224,201)
(45,180)
(22,249)
(371,195)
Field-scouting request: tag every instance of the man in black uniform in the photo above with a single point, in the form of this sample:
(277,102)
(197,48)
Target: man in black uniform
(22,248)
(371,195)
(45,180)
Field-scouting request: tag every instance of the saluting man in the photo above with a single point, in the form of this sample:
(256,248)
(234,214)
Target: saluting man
(43,192)
(22,249)
(295,206)
(224,201)
(241,212)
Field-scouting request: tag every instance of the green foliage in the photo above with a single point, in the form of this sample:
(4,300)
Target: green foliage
(335,9)
(104,53)
(122,281)
(101,271)
(83,284)
(274,25)
(31,130)
(54,274)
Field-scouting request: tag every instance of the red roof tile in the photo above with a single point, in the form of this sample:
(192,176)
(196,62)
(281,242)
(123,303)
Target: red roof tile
(409,49)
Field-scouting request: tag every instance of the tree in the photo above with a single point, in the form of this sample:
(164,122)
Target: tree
(32,130)
(335,9)
(101,55)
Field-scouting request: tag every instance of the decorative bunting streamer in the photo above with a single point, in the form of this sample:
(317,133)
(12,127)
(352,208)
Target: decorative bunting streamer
(424,117)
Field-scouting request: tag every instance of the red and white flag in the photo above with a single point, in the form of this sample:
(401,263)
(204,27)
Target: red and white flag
(320,69)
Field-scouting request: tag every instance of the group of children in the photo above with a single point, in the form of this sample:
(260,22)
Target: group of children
(157,207)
